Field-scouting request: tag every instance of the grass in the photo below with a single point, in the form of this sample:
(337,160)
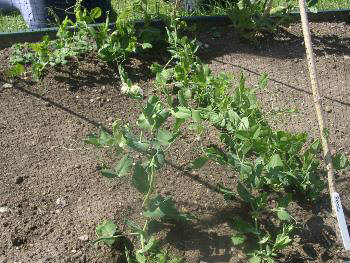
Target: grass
(12,22)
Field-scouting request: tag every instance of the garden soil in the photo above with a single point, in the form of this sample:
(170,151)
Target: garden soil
(52,195)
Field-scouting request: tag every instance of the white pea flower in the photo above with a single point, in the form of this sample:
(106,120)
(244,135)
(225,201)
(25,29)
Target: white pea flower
(136,90)
(125,88)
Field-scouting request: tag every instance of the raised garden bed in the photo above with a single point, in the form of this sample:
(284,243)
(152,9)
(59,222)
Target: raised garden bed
(52,195)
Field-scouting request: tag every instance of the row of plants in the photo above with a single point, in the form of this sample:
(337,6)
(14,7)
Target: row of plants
(267,162)
(78,38)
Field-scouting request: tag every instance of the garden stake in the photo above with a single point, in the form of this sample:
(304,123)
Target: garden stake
(335,200)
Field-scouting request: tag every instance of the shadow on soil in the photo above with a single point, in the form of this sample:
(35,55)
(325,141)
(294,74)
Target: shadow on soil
(283,45)
(55,104)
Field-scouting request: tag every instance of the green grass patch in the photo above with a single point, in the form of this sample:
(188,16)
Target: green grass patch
(11,22)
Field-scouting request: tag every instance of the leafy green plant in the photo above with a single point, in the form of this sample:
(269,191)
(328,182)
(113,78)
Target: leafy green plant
(251,17)
(114,46)
(152,143)
(267,162)
(267,243)
(262,157)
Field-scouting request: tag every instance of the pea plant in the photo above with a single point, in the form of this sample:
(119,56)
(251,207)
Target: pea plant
(270,165)
(250,17)
(152,143)
(267,161)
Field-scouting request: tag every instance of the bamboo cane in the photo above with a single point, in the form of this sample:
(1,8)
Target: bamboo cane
(317,99)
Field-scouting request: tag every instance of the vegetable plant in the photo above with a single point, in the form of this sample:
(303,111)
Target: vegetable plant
(152,143)
(270,165)
(267,161)
(250,17)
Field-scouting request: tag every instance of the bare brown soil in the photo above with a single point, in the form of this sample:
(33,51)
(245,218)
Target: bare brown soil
(52,196)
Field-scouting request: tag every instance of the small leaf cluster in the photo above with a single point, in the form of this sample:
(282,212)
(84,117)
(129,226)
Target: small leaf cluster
(107,232)
(250,17)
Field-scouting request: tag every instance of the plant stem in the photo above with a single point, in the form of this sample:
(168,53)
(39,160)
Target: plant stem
(142,237)
(256,226)
(150,190)
(141,135)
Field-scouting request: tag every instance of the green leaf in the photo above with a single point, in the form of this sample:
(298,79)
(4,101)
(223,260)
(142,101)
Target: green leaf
(243,226)
(243,193)
(243,135)
(199,162)
(181,113)
(255,259)
(275,162)
(161,117)
(265,239)
(263,81)
(313,9)
(159,207)
(105,232)
(182,98)
(196,115)
(95,13)
(146,45)
(15,71)
(282,240)
(285,200)
(228,193)
(216,155)
(159,159)
(136,145)
(124,166)
(140,178)
(178,123)
(340,161)
(140,257)
(156,68)
(238,239)
(93,139)
(283,215)
(105,138)
(143,122)
(165,137)
(244,125)
(152,242)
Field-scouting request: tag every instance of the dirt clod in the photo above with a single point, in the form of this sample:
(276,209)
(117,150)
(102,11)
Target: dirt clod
(19,179)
